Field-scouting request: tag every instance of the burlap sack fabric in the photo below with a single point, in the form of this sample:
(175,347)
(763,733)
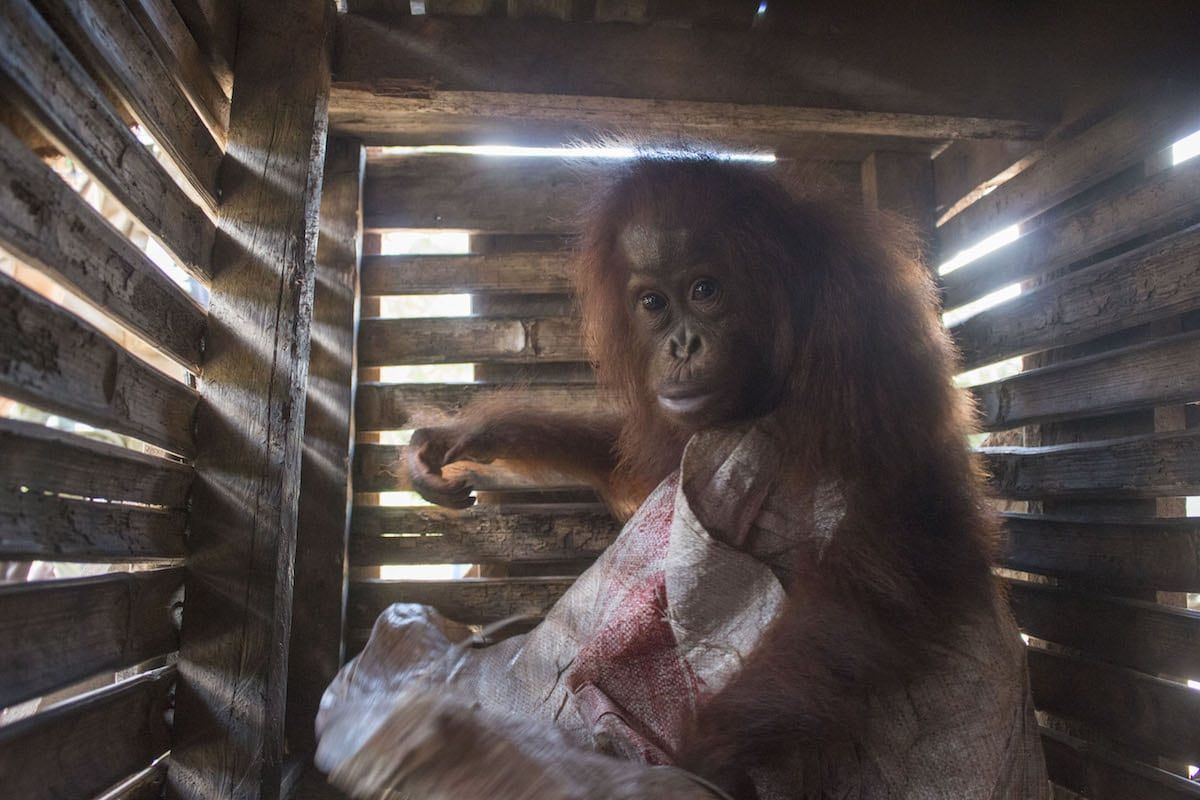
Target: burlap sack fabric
(664,618)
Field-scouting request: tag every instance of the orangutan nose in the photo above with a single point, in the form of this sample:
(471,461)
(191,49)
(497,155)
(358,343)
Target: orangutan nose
(684,344)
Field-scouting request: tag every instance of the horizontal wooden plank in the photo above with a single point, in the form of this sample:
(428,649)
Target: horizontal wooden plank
(396,406)
(110,40)
(52,360)
(1150,714)
(1089,770)
(58,632)
(1166,201)
(1162,554)
(1158,465)
(1160,372)
(1130,633)
(81,748)
(46,460)
(71,110)
(57,529)
(504,272)
(481,534)
(145,785)
(447,340)
(469,600)
(45,223)
(382,468)
(968,169)
(1073,165)
(1158,280)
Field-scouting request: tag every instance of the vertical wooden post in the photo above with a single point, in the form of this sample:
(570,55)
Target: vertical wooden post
(321,535)
(233,661)
(902,183)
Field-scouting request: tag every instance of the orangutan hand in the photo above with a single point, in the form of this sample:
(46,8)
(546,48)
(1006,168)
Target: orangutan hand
(432,449)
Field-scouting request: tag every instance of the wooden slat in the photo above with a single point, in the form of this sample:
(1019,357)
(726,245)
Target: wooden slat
(1147,553)
(1082,161)
(324,522)
(1094,773)
(1158,465)
(46,460)
(482,534)
(1167,201)
(83,747)
(179,52)
(57,529)
(1147,713)
(52,360)
(1130,633)
(395,406)
(967,170)
(214,25)
(1159,280)
(111,40)
(74,114)
(382,468)
(447,340)
(469,600)
(1160,372)
(45,223)
(147,784)
(58,632)
(249,429)
(506,272)
(901,184)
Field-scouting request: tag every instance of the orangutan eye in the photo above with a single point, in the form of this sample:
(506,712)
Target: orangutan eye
(652,301)
(704,289)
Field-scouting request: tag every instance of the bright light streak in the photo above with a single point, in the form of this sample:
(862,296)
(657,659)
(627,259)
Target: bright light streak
(411,306)
(414,242)
(957,316)
(582,151)
(990,373)
(993,242)
(422,572)
(1185,148)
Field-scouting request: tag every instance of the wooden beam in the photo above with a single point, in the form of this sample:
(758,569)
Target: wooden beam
(234,653)
(82,747)
(47,224)
(68,107)
(902,184)
(468,600)
(481,534)
(1165,202)
(1157,465)
(1158,372)
(969,169)
(214,26)
(321,534)
(58,632)
(396,406)
(505,272)
(57,529)
(448,340)
(1095,773)
(1152,553)
(1153,282)
(59,363)
(382,468)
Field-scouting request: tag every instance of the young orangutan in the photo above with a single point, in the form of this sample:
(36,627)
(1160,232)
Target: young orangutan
(803,604)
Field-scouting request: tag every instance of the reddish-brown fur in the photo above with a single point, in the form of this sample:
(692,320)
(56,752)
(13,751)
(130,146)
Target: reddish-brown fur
(857,367)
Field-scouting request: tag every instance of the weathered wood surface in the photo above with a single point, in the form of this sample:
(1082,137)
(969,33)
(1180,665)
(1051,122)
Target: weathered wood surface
(148,784)
(76,116)
(234,651)
(81,748)
(46,460)
(58,632)
(45,223)
(1158,280)
(507,272)
(1150,714)
(1159,372)
(382,468)
(52,360)
(177,48)
(57,529)
(111,41)
(396,406)
(323,527)
(482,534)
(902,184)
(469,600)
(968,169)
(1091,771)
(579,373)
(1158,465)
(214,25)
(1073,165)
(1165,202)
(1161,554)
(449,340)
(1144,636)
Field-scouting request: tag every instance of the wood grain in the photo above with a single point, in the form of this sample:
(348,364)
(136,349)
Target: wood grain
(505,272)
(448,340)
(1099,774)
(58,529)
(395,406)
